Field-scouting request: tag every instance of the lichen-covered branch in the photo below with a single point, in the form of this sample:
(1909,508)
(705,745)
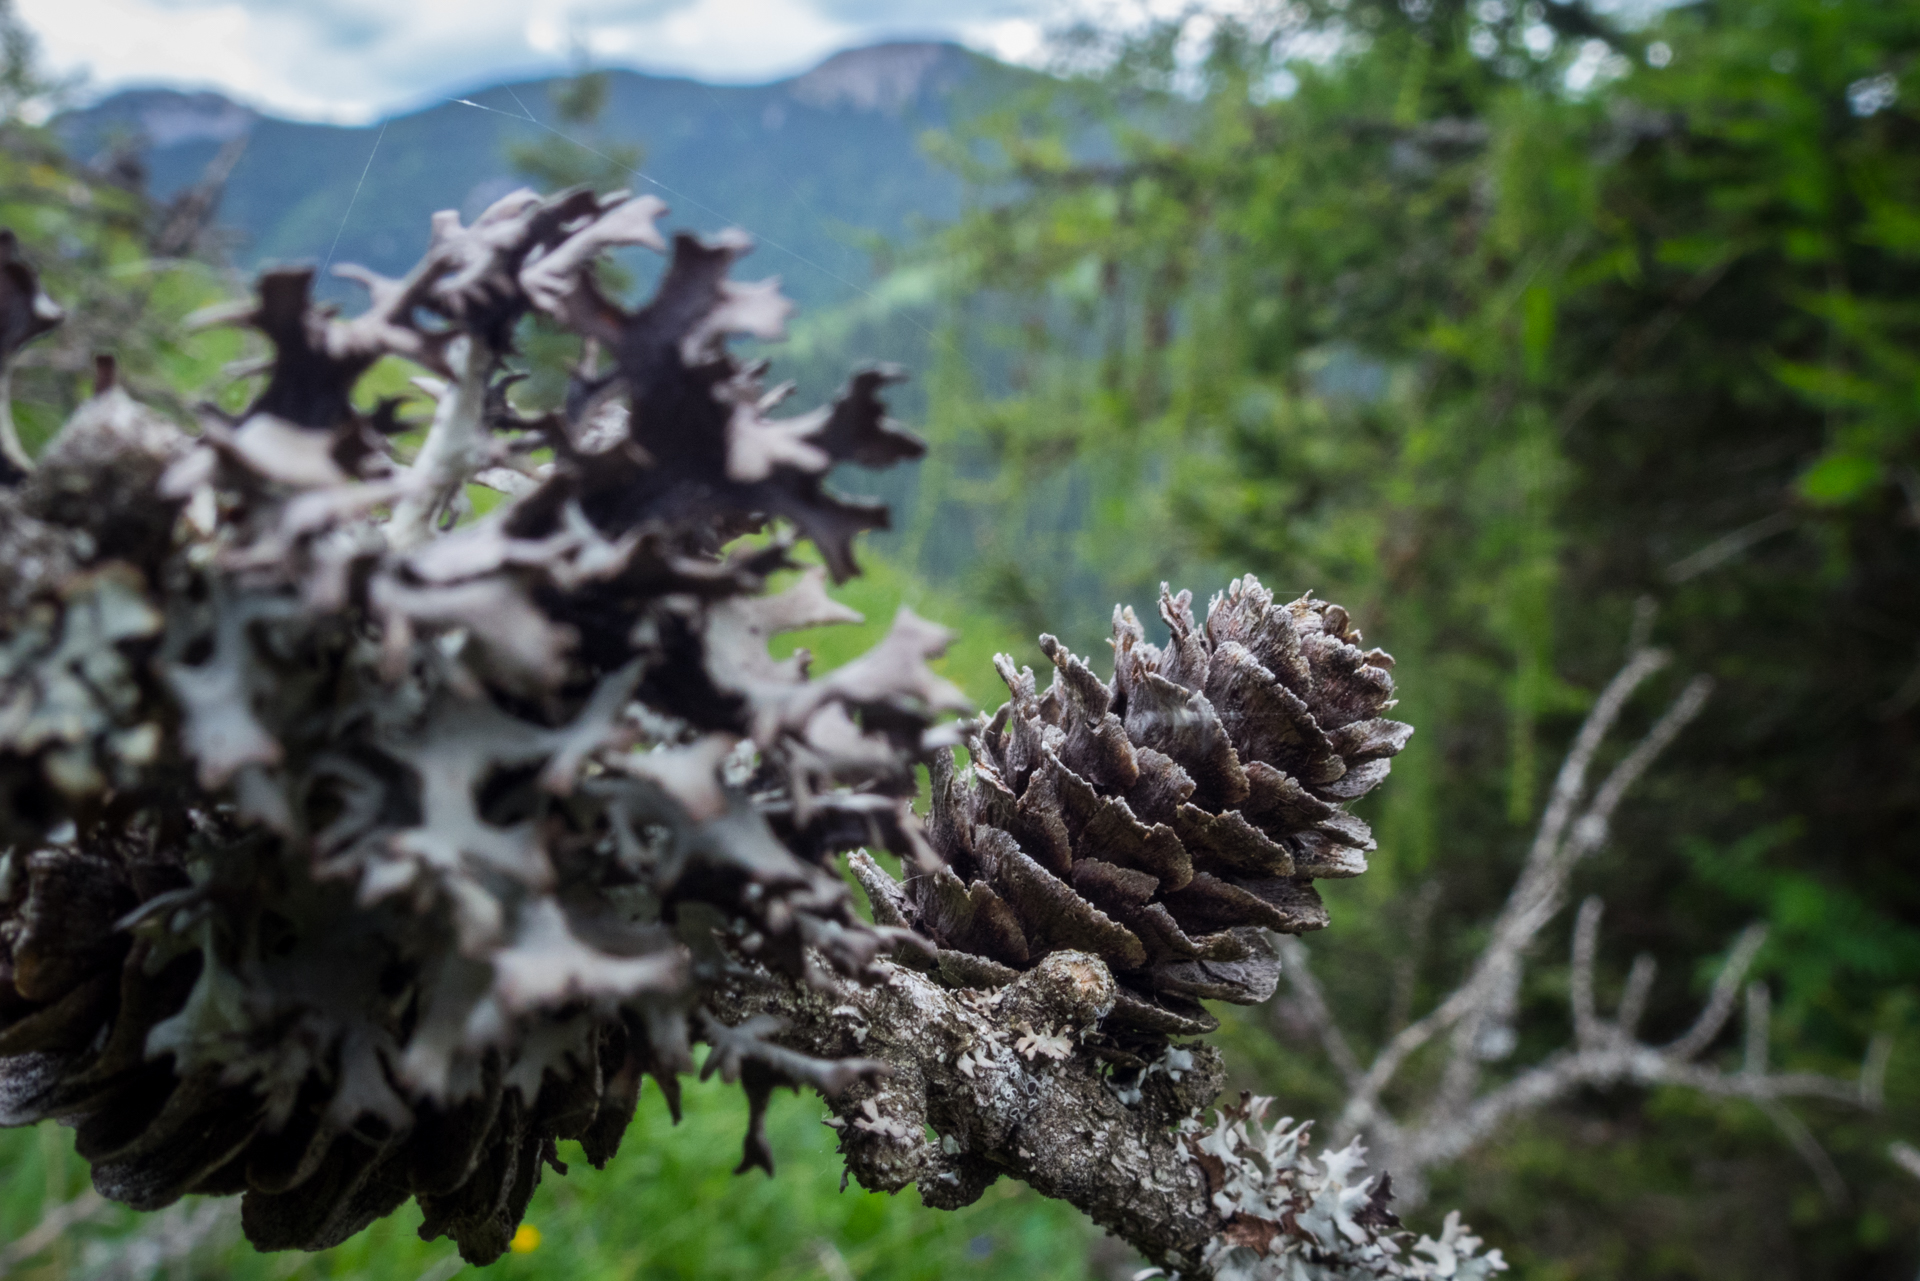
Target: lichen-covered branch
(458,446)
(354,851)
(985,1083)
(1012,1082)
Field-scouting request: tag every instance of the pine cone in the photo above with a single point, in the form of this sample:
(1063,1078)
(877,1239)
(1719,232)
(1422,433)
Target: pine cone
(1166,820)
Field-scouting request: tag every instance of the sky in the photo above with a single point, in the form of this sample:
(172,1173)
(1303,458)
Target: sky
(350,61)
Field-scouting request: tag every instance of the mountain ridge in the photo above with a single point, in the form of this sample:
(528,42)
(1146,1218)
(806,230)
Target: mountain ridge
(813,165)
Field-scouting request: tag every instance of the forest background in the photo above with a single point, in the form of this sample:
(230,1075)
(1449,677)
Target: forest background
(1520,329)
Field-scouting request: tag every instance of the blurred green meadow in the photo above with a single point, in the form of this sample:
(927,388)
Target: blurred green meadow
(667,1208)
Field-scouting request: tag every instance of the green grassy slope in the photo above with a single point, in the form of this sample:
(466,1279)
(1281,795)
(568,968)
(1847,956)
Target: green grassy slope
(668,1207)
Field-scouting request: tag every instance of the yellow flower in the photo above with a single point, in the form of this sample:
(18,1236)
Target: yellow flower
(526,1239)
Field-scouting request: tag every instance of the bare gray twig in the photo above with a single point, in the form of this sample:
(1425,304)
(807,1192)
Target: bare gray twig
(456,449)
(170,1237)
(54,1224)
(1460,1113)
(1729,545)
(1312,1002)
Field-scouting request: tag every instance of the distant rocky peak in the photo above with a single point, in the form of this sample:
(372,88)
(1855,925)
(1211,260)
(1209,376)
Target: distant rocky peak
(882,78)
(166,117)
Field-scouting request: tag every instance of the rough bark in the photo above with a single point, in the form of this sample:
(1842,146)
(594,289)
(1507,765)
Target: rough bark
(1011,1082)
(991,1083)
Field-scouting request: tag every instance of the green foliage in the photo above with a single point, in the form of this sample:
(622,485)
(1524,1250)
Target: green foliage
(585,156)
(881,590)
(90,235)
(1492,324)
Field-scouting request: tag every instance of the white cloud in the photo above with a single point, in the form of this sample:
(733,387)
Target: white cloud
(1008,39)
(352,60)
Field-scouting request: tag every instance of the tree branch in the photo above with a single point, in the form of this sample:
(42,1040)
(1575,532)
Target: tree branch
(457,447)
(982,1084)
(1633,1000)
(1608,1055)
(1458,1114)
(1587,1030)
(1510,930)
(1719,1007)
(1313,1004)
(54,1224)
